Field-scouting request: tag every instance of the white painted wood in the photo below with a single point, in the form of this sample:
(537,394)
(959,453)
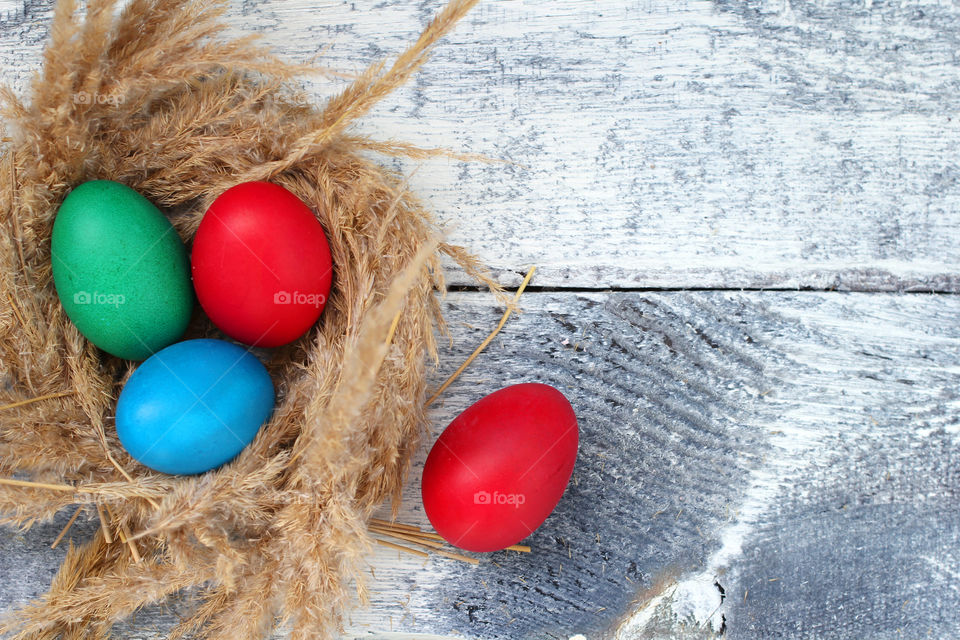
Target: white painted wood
(798,449)
(9,6)
(662,143)
(731,421)
(806,438)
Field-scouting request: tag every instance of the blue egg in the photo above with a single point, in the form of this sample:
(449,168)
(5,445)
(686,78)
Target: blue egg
(193,406)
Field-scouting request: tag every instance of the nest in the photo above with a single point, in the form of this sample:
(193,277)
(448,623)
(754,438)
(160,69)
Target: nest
(158,97)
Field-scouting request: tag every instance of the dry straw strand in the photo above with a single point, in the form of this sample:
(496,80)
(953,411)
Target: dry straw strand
(66,528)
(483,345)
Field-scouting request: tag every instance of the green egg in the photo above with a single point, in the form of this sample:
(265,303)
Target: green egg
(120,269)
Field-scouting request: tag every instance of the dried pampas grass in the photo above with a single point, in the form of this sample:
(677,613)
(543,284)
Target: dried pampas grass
(279,534)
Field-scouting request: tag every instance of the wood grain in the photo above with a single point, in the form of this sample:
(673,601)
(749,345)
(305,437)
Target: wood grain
(799,449)
(660,144)
(719,431)
(753,464)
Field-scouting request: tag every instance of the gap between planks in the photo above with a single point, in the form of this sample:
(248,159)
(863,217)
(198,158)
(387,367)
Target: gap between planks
(558,289)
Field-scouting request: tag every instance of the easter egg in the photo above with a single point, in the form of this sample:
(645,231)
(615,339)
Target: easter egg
(261,264)
(120,270)
(499,469)
(193,406)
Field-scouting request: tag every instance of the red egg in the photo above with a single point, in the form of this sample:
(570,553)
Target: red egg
(261,264)
(499,469)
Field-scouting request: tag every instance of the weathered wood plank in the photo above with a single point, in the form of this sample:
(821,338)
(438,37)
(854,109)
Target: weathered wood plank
(798,449)
(661,143)
(808,439)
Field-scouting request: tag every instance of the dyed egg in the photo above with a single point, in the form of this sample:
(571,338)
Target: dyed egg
(261,264)
(499,469)
(120,270)
(193,406)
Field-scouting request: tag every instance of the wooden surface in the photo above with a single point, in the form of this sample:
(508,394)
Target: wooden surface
(753,464)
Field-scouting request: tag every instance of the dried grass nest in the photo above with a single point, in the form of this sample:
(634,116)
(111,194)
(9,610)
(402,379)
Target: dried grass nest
(279,534)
